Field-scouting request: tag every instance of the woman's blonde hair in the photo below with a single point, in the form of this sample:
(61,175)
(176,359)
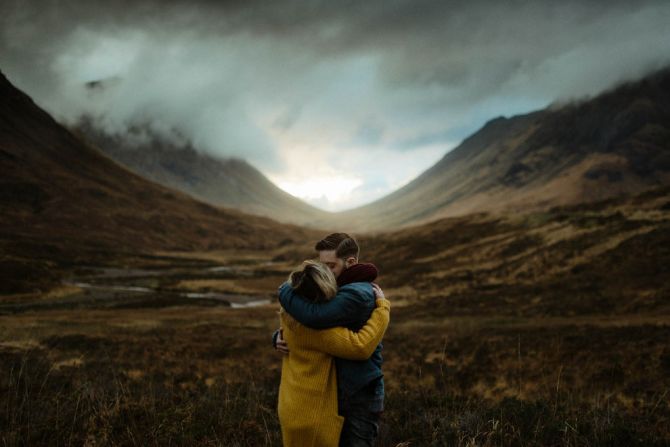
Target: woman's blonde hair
(315,281)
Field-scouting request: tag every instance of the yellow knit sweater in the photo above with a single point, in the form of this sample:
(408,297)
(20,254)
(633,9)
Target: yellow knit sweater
(308,389)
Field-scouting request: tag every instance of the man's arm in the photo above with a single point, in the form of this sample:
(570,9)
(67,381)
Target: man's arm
(344,309)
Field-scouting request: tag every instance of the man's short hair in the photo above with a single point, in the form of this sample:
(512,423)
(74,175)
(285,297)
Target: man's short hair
(344,245)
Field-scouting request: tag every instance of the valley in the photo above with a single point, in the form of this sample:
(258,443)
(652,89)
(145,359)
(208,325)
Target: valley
(547,328)
(136,314)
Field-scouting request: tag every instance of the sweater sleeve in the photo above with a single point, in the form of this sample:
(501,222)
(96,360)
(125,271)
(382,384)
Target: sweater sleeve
(343,310)
(347,344)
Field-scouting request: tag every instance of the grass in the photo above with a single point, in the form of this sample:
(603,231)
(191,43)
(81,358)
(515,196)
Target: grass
(120,410)
(539,331)
(207,376)
(49,406)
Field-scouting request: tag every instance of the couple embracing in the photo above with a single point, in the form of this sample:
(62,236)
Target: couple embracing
(332,320)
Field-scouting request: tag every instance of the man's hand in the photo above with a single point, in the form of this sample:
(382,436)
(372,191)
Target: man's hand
(379,293)
(281,343)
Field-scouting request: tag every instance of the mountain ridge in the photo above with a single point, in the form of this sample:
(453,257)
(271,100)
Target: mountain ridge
(228,182)
(63,202)
(617,142)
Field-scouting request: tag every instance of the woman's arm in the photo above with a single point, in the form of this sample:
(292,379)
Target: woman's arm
(347,344)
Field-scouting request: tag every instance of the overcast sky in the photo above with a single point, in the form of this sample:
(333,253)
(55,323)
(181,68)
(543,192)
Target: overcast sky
(337,102)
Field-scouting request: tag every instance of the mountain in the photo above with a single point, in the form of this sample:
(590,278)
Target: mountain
(63,202)
(177,164)
(610,257)
(616,143)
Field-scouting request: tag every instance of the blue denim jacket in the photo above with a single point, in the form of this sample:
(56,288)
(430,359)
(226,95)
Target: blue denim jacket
(351,308)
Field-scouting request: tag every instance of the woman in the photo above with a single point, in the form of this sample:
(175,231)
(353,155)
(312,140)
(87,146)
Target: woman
(308,411)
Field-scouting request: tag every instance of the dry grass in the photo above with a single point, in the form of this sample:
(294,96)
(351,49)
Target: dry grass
(240,285)
(207,376)
(545,330)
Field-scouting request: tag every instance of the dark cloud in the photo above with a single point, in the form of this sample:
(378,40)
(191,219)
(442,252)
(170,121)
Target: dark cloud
(257,78)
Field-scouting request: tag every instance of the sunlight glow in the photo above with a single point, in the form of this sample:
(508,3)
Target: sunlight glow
(331,192)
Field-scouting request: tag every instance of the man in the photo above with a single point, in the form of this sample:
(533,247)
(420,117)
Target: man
(360,383)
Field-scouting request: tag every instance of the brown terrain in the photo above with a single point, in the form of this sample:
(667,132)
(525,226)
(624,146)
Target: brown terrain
(615,143)
(543,328)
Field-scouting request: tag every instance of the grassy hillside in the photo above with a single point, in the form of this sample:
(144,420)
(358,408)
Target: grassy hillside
(605,258)
(63,202)
(544,329)
(613,144)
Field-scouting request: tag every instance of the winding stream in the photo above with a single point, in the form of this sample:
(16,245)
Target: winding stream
(127,276)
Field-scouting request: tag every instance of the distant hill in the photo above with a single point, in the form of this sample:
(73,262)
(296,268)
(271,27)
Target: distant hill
(177,164)
(616,143)
(63,202)
(610,257)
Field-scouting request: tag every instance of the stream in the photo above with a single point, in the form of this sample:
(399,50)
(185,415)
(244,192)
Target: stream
(125,280)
